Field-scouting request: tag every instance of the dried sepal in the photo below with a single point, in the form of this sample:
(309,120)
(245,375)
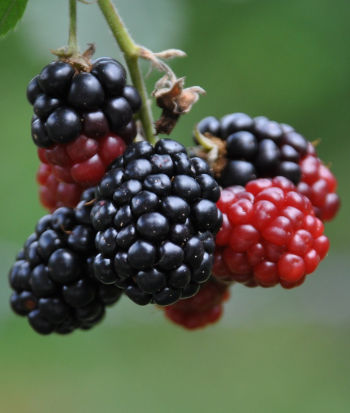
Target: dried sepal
(174,99)
(81,62)
(170,54)
(170,94)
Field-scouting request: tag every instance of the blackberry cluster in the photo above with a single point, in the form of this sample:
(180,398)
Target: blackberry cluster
(52,277)
(255,148)
(156,215)
(68,103)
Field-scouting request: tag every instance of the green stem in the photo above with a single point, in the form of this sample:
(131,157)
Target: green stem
(131,53)
(206,143)
(72,40)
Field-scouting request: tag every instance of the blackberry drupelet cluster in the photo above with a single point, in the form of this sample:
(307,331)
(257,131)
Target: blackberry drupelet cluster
(156,215)
(269,236)
(319,185)
(66,169)
(52,278)
(53,193)
(68,102)
(255,148)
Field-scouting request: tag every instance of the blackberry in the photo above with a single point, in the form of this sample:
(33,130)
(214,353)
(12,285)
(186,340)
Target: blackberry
(52,278)
(79,126)
(254,148)
(270,235)
(68,103)
(155,218)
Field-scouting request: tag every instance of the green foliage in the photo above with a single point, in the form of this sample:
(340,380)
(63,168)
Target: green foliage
(11,12)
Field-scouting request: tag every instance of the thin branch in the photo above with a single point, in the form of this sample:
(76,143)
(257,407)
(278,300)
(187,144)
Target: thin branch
(131,53)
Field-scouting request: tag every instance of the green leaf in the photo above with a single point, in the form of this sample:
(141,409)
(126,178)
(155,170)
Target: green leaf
(11,11)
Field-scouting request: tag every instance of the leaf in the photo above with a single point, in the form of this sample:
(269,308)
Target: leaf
(11,11)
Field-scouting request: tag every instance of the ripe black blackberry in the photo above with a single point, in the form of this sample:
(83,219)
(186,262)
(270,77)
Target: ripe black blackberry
(52,277)
(68,102)
(156,218)
(252,148)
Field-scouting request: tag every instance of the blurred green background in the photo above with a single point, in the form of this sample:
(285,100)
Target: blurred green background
(274,350)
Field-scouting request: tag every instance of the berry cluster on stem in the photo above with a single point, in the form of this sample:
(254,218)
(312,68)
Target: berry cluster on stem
(144,217)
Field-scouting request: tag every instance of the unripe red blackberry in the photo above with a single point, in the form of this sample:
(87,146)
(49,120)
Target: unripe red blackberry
(68,102)
(52,277)
(269,236)
(201,310)
(156,215)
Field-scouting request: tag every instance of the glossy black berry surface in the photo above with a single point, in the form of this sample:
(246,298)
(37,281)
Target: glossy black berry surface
(52,277)
(156,219)
(111,75)
(255,148)
(67,102)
